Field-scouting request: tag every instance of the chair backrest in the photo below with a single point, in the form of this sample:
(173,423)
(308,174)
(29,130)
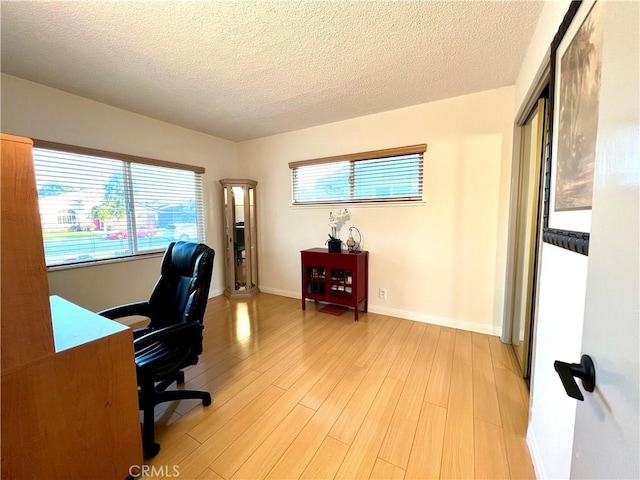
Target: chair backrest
(181,293)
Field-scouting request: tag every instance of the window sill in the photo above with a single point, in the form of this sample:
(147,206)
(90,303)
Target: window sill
(359,204)
(96,263)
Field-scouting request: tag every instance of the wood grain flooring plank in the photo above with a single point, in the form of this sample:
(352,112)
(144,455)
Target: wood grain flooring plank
(373,348)
(386,471)
(373,322)
(502,355)
(208,474)
(292,348)
(485,395)
(363,452)
(401,333)
(247,442)
(462,350)
(312,354)
(326,462)
(269,452)
(513,410)
(396,446)
(490,452)
(223,413)
(323,387)
(440,377)
(520,465)
(169,428)
(304,446)
(227,431)
(401,366)
(222,388)
(351,418)
(426,453)
(173,453)
(222,363)
(458,448)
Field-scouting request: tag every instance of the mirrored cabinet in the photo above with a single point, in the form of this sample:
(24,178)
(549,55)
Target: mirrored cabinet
(241,251)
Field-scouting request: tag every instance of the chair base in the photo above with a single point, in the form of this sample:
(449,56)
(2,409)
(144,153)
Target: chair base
(152,395)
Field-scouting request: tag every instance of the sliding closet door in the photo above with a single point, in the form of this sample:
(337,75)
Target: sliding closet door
(528,233)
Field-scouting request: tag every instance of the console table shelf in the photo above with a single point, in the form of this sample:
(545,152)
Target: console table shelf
(337,278)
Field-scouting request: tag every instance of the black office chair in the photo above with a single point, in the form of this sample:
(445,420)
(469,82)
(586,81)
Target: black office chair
(173,339)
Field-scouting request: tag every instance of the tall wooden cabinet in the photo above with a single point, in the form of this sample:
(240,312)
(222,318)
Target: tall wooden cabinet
(69,393)
(337,277)
(241,236)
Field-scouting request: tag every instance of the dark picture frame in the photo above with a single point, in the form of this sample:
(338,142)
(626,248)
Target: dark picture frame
(576,53)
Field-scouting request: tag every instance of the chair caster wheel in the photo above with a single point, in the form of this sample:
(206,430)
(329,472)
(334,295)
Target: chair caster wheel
(151,450)
(206,401)
(180,378)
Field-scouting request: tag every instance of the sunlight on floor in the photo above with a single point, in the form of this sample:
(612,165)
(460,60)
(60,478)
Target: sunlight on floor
(242,322)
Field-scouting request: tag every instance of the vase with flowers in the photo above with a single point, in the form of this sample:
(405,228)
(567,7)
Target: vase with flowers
(336,220)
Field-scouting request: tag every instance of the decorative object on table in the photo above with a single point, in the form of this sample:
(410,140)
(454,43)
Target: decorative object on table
(336,220)
(353,245)
(576,60)
(334,245)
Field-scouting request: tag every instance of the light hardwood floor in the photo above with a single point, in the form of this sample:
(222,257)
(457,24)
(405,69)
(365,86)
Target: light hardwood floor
(304,394)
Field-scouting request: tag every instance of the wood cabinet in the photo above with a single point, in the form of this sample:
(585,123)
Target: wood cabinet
(27,335)
(337,278)
(69,393)
(241,237)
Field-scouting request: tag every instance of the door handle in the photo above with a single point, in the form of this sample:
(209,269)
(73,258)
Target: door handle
(584,370)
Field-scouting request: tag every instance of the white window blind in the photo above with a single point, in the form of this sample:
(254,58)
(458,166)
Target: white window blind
(394,174)
(100,206)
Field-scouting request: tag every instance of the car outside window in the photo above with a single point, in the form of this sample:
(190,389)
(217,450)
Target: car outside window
(94,207)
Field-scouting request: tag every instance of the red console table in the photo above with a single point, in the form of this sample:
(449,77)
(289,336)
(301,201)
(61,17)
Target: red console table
(337,278)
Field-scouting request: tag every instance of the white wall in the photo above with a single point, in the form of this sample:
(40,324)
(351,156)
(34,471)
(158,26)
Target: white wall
(443,261)
(561,295)
(36,111)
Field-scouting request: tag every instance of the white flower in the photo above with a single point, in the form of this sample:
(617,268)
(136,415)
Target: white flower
(337,219)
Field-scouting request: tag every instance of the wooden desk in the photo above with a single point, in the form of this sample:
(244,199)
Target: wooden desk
(74,326)
(69,392)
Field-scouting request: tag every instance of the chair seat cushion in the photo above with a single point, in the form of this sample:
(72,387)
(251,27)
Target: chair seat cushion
(159,360)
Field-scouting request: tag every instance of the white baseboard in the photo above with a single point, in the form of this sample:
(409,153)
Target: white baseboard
(538,467)
(215,293)
(436,320)
(281,293)
(418,317)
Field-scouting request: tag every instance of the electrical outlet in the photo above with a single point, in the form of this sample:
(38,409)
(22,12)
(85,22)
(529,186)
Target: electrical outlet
(382,294)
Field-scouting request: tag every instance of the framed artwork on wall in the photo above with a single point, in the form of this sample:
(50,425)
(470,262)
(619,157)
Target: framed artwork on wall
(576,63)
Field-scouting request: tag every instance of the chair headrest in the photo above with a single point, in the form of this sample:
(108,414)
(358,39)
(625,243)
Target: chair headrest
(181,257)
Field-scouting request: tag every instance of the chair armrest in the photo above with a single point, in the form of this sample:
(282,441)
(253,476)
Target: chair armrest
(128,310)
(172,333)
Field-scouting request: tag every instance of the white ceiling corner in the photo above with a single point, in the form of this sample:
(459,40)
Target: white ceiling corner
(244,70)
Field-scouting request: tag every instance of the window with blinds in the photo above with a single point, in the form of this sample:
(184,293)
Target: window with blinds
(391,175)
(97,205)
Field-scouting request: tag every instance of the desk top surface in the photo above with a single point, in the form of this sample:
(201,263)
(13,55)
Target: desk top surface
(74,325)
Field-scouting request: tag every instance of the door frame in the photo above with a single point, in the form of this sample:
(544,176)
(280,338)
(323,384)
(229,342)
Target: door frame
(538,91)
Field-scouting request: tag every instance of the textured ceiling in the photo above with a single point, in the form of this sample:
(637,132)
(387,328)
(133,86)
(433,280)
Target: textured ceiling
(243,70)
